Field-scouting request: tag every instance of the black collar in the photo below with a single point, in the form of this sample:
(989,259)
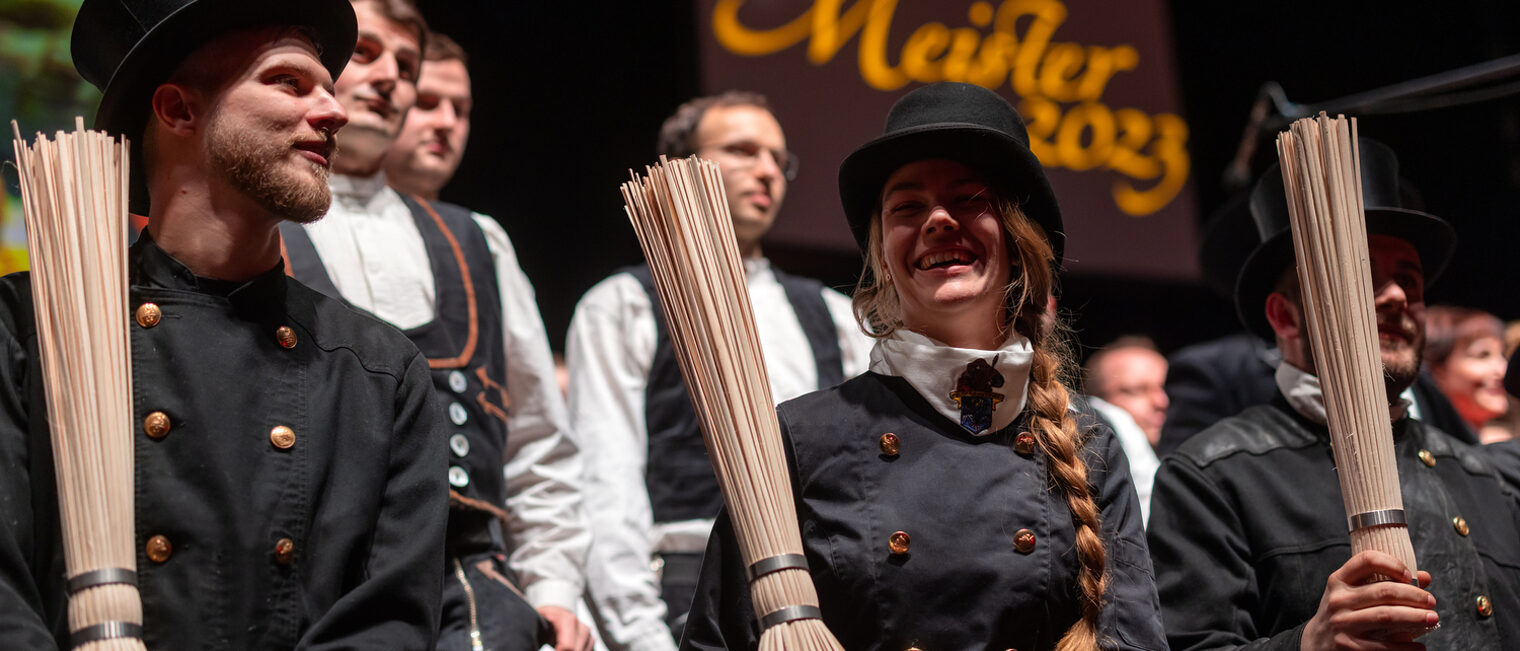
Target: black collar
(257,298)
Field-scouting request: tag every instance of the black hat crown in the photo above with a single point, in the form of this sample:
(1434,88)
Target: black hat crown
(962,122)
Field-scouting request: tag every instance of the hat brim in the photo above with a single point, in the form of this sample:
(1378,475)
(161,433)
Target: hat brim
(1009,166)
(1433,239)
(125,101)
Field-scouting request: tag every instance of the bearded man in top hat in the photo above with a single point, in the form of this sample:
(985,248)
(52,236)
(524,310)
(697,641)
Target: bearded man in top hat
(287,490)
(448,278)
(1247,528)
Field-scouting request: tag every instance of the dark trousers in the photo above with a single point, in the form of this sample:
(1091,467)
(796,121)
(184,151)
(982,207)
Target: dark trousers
(483,610)
(678,585)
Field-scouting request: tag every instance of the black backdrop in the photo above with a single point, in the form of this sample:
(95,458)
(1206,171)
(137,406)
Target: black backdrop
(570,95)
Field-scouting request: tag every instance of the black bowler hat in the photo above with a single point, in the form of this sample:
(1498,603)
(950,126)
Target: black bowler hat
(126,48)
(1382,201)
(961,122)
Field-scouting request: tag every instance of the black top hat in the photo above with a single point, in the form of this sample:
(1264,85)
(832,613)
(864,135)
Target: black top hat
(960,122)
(1382,200)
(126,48)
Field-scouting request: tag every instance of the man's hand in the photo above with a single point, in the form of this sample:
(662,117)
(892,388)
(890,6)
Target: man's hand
(1356,614)
(569,633)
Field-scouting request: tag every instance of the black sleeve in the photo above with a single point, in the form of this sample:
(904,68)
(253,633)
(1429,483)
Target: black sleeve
(1204,573)
(1199,398)
(1505,456)
(722,616)
(27,509)
(1131,612)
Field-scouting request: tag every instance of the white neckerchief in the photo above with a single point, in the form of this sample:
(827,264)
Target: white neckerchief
(1307,397)
(933,368)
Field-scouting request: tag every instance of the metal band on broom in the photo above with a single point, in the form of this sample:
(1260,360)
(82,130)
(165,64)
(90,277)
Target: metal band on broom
(74,196)
(1320,165)
(681,217)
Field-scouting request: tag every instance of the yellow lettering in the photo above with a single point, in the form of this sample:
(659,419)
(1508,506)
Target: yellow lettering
(1102,65)
(831,30)
(962,51)
(924,46)
(741,40)
(1062,63)
(1045,16)
(874,68)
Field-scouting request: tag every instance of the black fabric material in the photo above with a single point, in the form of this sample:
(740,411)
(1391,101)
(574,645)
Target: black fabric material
(682,485)
(504,619)
(1247,524)
(1382,201)
(482,374)
(358,493)
(1213,380)
(960,122)
(962,585)
(126,48)
(678,584)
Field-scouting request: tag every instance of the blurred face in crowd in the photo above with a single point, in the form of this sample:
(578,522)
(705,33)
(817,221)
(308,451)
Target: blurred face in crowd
(750,149)
(377,88)
(1398,283)
(944,248)
(1134,379)
(270,131)
(432,140)
(1473,378)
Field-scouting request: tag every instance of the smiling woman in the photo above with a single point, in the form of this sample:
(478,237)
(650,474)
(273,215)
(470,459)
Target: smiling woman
(963,240)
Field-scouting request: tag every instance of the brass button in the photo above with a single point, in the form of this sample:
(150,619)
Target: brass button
(1460,524)
(1427,458)
(156,425)
(159,549)
(286,337)
(1024,443)
(1485,607)
(898,542)
(284,551)
(148,315)
(1023,541)
(282,437)
(889,444)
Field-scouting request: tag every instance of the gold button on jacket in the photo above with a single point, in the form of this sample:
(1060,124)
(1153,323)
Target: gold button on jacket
(286,336)
(898,542)
(1023,541)
(1460,524)
(156,425)
(1024,443)
(158,549)
(148,315)
(1485,607)
(1427,458)
(282,437)
(284,551)
(890,444)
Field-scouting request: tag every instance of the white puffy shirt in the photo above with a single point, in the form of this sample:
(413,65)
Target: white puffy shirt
(376,257)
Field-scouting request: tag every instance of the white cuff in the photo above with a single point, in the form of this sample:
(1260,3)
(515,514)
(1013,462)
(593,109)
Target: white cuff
(657,638)
(553,592)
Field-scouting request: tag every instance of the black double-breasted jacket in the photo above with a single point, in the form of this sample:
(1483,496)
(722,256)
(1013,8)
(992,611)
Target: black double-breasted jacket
(289,495)
(1247,525)
(953,542)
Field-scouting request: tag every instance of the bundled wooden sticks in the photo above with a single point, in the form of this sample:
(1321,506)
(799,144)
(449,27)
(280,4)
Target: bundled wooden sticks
(74,195)
(1321,174)
(682,220)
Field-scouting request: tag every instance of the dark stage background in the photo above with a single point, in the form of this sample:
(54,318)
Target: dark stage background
(570,95)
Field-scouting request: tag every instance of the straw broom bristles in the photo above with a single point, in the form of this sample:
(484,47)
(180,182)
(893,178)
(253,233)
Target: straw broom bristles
(74,196)
(1321,175)
(680,214)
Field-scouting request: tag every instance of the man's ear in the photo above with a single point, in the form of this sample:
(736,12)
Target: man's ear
(1284,315)
(176,109)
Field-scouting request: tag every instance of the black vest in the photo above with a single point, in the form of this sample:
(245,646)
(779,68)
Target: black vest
(679,474)
(463,343)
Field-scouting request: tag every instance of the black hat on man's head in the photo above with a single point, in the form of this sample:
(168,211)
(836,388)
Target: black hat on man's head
(126,48)
(1383,203)
(961,122)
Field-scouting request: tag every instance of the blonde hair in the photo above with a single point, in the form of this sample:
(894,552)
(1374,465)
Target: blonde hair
(1027,295)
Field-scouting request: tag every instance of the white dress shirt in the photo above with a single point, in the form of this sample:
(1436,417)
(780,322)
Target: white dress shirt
(609,349)
(376,257)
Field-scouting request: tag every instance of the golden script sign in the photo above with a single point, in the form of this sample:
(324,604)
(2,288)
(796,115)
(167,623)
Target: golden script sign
(1061,85)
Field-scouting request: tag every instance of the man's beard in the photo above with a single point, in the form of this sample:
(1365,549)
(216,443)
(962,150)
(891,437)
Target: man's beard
(256,166)
(1399,371)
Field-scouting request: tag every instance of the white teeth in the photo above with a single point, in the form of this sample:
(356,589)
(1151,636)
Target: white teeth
(941,258)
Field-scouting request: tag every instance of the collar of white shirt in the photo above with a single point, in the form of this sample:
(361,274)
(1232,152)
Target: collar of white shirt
(933,368)
(1307,397)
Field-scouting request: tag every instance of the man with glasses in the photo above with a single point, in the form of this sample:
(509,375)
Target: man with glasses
(651,491)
